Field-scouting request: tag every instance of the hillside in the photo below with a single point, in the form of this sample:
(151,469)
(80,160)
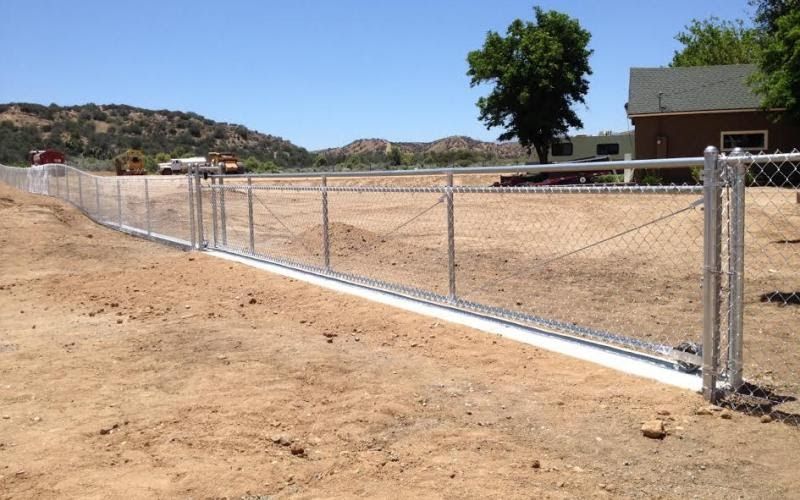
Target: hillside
(92,134)
(445,151)
(103,131)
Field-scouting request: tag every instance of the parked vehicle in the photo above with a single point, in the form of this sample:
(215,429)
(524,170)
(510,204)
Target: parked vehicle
(48,157)
(550,178)
(592,148)
(131,162)
(45,156)
(226,163)
(183,165)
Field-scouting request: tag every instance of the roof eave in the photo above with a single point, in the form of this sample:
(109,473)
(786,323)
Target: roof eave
(704,111)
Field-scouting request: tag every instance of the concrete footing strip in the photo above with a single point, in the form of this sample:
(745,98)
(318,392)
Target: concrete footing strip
(596,354)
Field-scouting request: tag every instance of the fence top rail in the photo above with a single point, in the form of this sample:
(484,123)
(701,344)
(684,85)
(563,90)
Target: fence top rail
(750,158)
(662,163)
(665,163)
(563,189)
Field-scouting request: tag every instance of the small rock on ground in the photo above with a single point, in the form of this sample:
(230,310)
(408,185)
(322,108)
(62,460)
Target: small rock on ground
(654,429)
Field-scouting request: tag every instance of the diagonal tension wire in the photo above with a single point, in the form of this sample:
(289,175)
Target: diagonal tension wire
(591,245)
(273,214)
(382,237)
(412,219)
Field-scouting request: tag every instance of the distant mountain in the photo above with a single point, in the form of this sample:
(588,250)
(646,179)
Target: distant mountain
(103,131)
(452,144)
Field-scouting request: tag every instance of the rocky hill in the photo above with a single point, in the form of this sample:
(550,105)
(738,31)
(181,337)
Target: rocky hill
(92,134)
(103,131)
(456,143)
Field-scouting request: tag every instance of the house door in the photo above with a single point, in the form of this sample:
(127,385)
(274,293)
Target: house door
(661,146)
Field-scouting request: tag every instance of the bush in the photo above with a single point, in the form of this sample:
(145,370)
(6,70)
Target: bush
(697,174)
(610,178)
(652,180)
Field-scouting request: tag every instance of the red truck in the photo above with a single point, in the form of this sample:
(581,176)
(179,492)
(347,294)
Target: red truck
(45,156)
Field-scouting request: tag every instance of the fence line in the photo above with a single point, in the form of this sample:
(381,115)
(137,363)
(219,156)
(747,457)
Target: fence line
(666,272)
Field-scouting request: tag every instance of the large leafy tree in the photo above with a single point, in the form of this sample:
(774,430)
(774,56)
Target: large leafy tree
(778,79)
(769,11)
(539,72)
(713,41)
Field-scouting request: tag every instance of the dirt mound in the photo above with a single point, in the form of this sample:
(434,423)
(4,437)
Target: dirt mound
(345,239)
(6,203)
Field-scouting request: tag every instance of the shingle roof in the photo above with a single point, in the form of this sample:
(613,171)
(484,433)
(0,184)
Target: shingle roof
(697,88)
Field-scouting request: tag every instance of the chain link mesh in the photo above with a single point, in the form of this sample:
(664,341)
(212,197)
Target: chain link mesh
(770,302)
(617,264)
(157,207)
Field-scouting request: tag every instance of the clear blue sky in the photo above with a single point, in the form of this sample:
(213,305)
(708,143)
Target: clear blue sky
(318,73)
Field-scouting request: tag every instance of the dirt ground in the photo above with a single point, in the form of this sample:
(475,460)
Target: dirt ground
(630,264)
(134,370)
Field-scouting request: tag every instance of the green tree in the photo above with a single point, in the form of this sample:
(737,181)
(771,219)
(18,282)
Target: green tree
(162,157)
(769,11)
(321,161)
(150,164)
(395,156)
(778,78)
(251,164)
(713,41)
(538,71)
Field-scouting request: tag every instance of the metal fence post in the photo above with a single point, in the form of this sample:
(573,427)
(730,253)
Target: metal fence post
(738,170)
(80,192)
(147,205)
(451,238)
(66,183)
(97,196)
(223,220)
(58,184)
(119,204)
(326,240)
(200,236)
(192,231)
(712,233)
(250,214)
(214,190)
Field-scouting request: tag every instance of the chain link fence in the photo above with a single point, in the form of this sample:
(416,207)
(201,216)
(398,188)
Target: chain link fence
(760,356)
(619,264)
(704,278)
(149,206)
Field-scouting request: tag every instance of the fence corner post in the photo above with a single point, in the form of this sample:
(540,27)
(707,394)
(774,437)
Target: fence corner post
(190,199)
(214,217)
(451,239)
(738,174)
(223,218)
(199,209)
(712,234)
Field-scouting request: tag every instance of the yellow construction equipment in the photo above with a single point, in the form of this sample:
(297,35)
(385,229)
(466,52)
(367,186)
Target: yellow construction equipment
(227,162)
(131,162)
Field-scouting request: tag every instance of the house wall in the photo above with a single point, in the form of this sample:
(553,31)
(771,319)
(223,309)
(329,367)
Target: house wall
(688,135)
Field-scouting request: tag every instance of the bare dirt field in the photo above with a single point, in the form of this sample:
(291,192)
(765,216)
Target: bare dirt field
(625,263)
(133,370)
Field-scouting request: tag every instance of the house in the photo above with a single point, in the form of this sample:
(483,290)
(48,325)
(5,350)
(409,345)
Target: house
(677,112)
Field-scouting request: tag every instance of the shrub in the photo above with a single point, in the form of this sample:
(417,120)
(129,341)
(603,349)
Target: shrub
(609,178)
(652,180)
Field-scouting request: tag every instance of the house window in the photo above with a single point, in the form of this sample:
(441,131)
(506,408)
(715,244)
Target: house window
(608,149)
(562,149)
(749,140)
